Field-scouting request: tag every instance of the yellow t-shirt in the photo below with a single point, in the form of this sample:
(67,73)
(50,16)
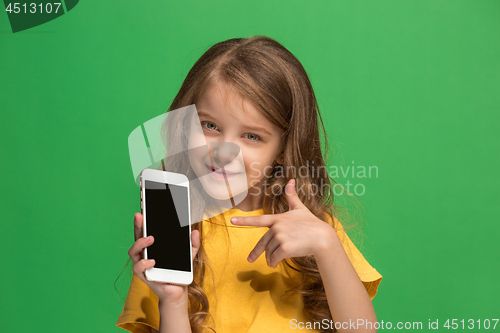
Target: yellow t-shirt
(243,297)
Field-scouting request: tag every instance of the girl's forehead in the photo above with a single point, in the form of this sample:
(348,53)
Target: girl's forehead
(219,100)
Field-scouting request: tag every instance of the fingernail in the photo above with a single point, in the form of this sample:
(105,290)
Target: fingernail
(292,182)
(234,220)
(151,261)
(249,259)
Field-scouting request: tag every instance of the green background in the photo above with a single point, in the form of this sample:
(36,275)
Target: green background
(411,87)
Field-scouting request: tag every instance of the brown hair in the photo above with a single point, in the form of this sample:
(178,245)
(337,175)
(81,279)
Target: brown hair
(265,73)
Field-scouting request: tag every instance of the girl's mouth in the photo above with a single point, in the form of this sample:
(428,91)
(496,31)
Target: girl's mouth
(218,174)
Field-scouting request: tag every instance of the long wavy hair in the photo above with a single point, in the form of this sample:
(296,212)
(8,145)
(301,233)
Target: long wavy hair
(265,73)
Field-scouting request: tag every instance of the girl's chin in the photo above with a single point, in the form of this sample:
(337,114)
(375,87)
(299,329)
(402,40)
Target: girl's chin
(219,190)
(228,202)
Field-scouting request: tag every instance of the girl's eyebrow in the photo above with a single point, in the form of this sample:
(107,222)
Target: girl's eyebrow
(202,113)
(252,128)
(258,129)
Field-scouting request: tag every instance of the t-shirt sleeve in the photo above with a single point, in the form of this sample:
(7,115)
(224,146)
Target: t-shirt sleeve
(140,311)
(369,276)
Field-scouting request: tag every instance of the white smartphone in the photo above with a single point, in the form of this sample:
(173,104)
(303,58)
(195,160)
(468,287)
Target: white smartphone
(166,215)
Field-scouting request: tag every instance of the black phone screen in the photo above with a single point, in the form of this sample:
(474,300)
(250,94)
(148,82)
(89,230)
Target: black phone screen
(167,220)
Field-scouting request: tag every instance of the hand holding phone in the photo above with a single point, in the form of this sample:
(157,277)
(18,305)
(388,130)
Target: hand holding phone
(166,292)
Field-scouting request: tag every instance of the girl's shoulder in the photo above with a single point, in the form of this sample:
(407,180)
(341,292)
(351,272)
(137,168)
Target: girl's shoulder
(334,222)
(370,277)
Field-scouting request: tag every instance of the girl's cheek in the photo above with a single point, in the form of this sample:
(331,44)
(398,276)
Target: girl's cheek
(197,140)
(255,172)
(197,152)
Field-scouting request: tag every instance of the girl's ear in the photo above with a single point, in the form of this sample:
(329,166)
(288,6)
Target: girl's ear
(279,159)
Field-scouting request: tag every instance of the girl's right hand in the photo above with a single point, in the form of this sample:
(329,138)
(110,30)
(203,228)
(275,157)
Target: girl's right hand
(166,292)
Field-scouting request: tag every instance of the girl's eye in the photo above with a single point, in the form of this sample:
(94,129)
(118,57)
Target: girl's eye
(253,137)
(212,127)
(209,125)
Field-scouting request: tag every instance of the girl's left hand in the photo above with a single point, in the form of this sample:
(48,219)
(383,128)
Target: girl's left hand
(295,233)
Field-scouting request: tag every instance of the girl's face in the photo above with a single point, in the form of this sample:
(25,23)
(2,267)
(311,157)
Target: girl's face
(241,142)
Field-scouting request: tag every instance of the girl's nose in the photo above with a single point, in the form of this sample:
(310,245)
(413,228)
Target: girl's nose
(224,153)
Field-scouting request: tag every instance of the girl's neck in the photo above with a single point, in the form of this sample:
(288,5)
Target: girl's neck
(253,200)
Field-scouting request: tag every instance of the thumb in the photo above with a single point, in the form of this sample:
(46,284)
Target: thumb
(138,218)
(291,195)
(195,239)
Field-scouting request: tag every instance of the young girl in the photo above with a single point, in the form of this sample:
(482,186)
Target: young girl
(279,260)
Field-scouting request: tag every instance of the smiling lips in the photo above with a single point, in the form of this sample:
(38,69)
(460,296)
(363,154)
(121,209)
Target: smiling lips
(218,174)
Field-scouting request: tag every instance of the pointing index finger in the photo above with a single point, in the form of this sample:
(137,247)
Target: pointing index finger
(254,221)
